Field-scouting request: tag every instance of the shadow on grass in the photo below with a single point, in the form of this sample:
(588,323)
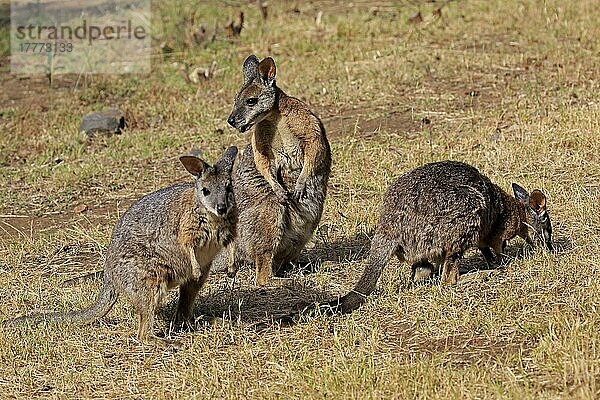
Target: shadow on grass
(350,249)
(261,308)
(512,253)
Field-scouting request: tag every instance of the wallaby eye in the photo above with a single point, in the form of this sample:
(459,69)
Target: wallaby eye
(252,101)
(205,192)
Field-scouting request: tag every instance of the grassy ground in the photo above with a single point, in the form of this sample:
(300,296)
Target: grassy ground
(509,86)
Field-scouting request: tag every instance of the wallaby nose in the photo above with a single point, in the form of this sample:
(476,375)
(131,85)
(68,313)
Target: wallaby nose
(221,209)
(231,121)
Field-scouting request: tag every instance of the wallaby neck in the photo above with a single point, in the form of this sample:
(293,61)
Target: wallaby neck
(268,125)
(522,215)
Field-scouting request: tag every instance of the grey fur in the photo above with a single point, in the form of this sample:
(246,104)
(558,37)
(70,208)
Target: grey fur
(166,239)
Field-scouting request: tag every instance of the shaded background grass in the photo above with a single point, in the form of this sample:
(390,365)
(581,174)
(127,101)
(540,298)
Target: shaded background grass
(508,86)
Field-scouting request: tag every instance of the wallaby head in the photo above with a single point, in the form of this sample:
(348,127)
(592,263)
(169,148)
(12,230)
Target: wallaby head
(213,184)
(537,226)
(258,94)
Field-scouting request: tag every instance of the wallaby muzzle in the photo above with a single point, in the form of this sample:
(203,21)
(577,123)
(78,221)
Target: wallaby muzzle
(236,124)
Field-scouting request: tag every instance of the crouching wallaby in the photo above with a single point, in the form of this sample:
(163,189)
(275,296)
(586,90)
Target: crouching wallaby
(434,213)
(166,239)
(280,188)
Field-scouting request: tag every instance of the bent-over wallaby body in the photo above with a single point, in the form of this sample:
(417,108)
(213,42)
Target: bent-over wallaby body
(434,213)
(280,190)
(166,239)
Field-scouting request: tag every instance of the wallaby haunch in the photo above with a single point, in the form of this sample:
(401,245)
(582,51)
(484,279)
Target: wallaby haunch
(434,213)
(166,239)
(280,189)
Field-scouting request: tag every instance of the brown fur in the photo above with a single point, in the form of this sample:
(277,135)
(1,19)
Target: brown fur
(434,213)
(281,180)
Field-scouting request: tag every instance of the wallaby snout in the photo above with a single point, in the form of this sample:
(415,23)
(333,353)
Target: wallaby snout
(239,121)
(222,209)
(231,121)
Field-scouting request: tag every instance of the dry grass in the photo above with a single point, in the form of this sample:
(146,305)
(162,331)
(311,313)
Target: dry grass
(509,86)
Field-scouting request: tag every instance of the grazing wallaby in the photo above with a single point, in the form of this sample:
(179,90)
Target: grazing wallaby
(434,213)
(166,239)
(280,189)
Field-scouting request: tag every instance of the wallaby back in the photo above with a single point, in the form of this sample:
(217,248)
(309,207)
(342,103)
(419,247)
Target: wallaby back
(166,239)
(433,214)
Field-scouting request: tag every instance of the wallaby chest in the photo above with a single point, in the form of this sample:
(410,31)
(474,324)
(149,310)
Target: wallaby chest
(287,147)
(205,233)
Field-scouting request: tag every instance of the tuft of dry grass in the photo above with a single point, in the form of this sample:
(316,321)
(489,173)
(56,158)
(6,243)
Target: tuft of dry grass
(508,86)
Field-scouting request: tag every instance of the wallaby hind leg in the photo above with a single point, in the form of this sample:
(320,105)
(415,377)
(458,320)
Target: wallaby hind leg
(187,296)
(490,258)
(233,264)
(146,297)
(146,324)
(450,269)
(264,269)
(422,271)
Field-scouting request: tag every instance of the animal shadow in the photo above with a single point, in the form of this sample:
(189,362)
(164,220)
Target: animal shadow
(349,249)
(475,264)
(260,308)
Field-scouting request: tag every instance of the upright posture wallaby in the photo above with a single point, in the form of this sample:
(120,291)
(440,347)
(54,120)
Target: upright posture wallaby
(280,189)
(166,239)
(436,212)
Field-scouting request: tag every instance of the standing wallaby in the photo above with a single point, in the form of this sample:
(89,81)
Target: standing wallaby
(434,213)
(280,189)
(166,239)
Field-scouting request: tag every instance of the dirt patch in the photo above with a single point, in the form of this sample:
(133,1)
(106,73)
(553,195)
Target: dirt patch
(27,91)
(14,226)
(461,348)
(368,123)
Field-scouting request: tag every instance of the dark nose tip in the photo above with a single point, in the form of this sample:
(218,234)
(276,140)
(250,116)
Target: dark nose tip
(231,121)
(221,209)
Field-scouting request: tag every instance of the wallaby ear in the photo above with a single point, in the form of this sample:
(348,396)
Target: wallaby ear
(267,71)
(194,165)
(226,162)
(537,201)
(520,194)
(250,68)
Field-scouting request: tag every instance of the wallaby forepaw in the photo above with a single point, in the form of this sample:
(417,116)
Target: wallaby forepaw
(232,272)
(282,195)
(299,191)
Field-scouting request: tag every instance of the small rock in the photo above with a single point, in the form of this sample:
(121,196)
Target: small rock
(104,122)
(416,18)
(80,208)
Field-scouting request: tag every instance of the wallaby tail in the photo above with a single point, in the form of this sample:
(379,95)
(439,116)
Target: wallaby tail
(382,248)
(92,276)
(106,299)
